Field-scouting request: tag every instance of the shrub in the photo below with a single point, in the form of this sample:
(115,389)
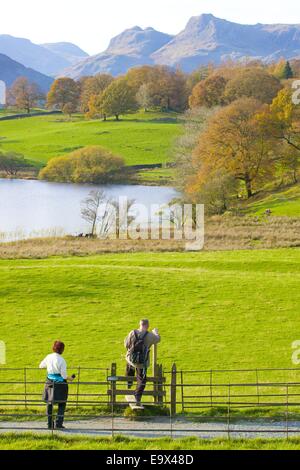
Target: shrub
(91,164)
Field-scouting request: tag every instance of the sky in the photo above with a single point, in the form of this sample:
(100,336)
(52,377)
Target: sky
(92,23)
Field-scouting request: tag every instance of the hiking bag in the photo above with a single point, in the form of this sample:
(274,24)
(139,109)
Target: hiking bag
(138,352)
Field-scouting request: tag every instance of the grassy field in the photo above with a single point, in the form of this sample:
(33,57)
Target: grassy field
(285,202)
(214,310)
(36,442)
(142,138)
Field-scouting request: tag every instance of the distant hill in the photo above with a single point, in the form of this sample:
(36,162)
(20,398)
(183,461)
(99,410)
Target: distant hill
(205,39)
(131,48)
(68,51)
(49,59)
(10,70)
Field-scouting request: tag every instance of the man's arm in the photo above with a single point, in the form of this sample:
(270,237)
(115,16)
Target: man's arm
(155,337)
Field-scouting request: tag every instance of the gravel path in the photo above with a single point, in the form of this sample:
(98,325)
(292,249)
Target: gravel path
(161,427)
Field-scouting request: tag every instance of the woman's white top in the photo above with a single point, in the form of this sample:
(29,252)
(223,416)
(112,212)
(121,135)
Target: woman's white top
(55,364)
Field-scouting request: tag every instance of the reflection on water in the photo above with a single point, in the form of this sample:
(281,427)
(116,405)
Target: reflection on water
(38,208)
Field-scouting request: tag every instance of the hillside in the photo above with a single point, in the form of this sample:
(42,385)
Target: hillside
(282,202)
(142,138)
(205,39)
(10,70)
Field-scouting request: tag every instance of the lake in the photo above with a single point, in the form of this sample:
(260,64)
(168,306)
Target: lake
(31,208)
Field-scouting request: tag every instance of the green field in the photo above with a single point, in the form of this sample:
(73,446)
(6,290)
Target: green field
(214,310)
(36,442)
(142,138)
(284,202)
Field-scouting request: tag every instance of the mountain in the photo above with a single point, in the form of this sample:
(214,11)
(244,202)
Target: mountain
(67,51)
(208,39)
(205,39)
(10,70)
(49,59)
(131,48)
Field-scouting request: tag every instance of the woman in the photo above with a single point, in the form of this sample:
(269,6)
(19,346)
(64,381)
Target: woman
(56,387)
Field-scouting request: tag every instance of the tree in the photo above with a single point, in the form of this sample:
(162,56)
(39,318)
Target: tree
(24,95)
(92,87)
(209,92)
(281,122)
(253,83)
(90,209)
(12,163)
(217,192)
(166,88)
(235,142)
(91,164)
(195,121)
(283,70)
(118,98)
(64,92)
(144,97)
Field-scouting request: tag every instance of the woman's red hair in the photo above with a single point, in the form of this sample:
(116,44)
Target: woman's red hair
(58,347)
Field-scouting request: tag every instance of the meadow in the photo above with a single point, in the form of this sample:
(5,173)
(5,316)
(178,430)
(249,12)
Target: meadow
(42,442)
(282,202)
(141,138)
(236,309)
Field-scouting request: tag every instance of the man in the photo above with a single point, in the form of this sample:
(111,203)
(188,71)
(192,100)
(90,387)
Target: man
(138,344)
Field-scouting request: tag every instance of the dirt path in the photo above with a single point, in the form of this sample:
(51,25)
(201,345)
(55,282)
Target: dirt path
(162,427)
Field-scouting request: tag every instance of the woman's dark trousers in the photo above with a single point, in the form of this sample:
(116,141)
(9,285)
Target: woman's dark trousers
(59,417)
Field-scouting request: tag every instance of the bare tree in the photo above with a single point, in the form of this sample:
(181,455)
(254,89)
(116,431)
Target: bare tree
(90,208)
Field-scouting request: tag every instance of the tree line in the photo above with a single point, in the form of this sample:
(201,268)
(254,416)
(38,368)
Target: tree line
(241,133)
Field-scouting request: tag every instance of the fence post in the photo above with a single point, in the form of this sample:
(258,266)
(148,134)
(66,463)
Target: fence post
(160,388)
(155,373)
(25,387)
(77,388)
(173,389)
(113,384)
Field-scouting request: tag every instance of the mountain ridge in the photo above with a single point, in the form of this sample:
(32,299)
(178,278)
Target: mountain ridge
(205,39)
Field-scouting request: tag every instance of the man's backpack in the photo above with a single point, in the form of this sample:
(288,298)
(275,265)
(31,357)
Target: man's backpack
(138,352)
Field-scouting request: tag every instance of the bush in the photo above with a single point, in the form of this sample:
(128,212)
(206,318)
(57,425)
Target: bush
(87,165)
(12,163)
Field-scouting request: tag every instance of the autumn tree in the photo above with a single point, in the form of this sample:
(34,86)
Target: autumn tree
(209,92)
(92,87)
(166,88)
(234,142)
(254,83)
(64,92)
(143,97)
(24,95)
(118,98)
(281,122)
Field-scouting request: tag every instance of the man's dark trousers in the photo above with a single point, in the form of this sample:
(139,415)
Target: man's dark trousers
(141,377)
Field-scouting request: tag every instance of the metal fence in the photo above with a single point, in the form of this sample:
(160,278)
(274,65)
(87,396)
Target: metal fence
(204,403)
